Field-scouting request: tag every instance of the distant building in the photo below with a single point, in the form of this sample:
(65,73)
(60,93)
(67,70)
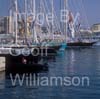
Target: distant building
(4,25)
(95,28)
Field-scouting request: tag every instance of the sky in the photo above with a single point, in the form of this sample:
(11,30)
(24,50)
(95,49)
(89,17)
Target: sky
(92,8)
(91,11)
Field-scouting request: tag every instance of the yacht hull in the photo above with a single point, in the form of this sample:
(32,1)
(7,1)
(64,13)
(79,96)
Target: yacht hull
(81,44)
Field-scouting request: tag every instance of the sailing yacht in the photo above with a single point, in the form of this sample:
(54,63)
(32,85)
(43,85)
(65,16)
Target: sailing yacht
(73,31)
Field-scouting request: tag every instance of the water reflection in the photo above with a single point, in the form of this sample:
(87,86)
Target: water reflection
(71,62)
(2,80)
(80,62)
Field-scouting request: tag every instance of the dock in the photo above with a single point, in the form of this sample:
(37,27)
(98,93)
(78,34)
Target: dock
(2,64)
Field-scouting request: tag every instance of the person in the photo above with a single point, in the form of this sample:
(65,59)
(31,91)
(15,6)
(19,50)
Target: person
(24,61)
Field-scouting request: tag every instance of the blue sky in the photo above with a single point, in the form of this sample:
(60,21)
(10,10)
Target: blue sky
(91,12)
(92,8)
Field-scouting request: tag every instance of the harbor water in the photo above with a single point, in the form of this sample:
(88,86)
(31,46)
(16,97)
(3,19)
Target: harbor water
(76,62)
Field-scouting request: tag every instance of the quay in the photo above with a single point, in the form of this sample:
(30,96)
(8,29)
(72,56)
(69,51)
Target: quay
(2,64)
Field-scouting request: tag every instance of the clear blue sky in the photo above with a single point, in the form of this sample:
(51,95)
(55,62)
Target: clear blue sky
(92,9)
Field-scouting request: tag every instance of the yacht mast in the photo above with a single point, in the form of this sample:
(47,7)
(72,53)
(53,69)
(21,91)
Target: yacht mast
(52,8)
(66,23)
(26,19)
(16,22)
(10,22)
(34,30)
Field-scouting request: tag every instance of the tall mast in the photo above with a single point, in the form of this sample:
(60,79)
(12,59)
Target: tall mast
(60,10)
(34,30)
(66,23)
(52,8)
(34,9)
(16,22)
(10,22)
(26,19)
(65,8)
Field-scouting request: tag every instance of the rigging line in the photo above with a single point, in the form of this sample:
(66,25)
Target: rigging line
(65,25)
(45,14)
(19,5)
(40,7)
(25,8)
(72,5)
(75,7)
(83,7)
(30,6)
(44,9)
(61,4)
(75,10)
(80,10)
(58,23)
(20,15)
(56,19)
(46,3)
(52,11)
(78,7)
(11,5)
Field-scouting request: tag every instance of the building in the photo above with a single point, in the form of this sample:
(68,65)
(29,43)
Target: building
(96,28)
(4,25)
